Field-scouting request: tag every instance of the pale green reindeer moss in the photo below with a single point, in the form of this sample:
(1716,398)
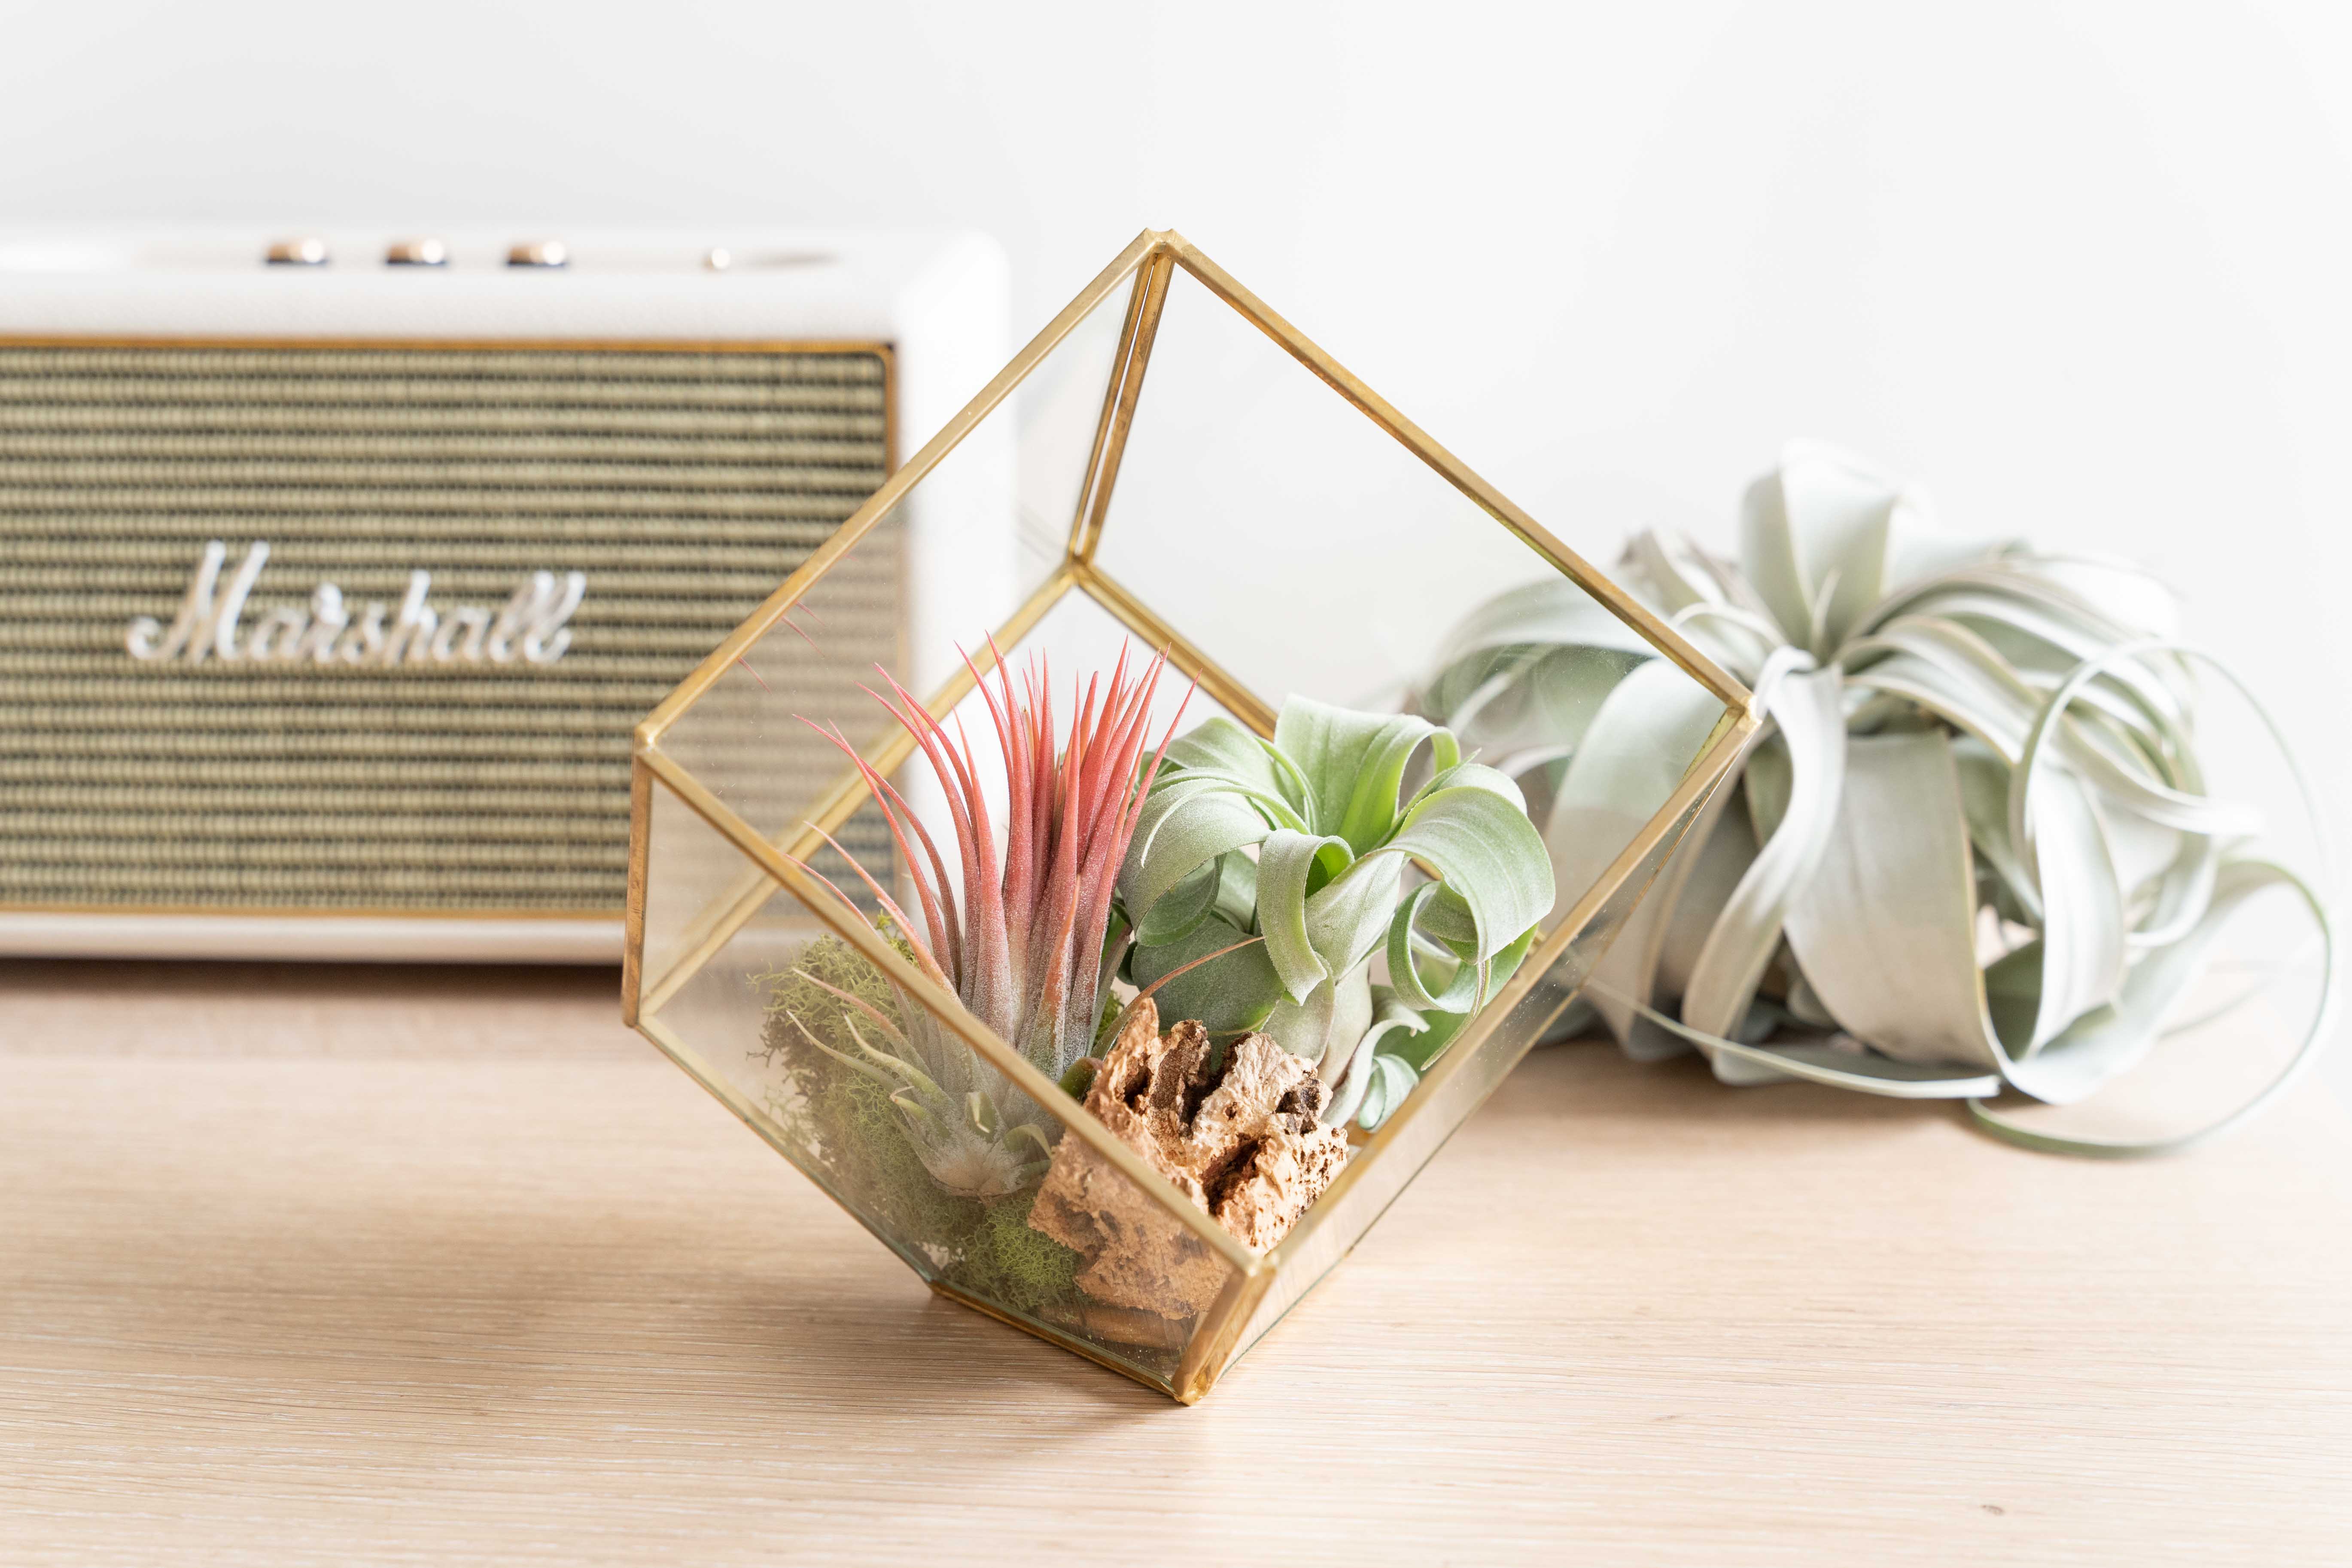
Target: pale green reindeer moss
(1005,1261)
(985,1247)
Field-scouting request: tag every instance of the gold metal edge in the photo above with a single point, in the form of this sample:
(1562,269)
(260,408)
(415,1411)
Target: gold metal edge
(1215,680)
(1151,285)
(1054,1337)
(1211,1349)
(1419,442)
(894,489)
(889,355)
(948,1010)
(632,929)
(1706,775)
(1112,384)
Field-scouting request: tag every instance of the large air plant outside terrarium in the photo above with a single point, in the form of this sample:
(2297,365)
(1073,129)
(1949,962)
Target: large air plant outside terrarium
(1023,946)
(1973,846)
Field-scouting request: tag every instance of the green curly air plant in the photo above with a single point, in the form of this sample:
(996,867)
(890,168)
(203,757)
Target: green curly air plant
(1249,884)
(1309,842)
(1962,738)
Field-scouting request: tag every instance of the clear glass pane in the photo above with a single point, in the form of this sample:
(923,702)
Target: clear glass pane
(1410,1141)
(1057,412)
(968,1171)
(1307,551)
(936,577)
(694,876)
(1269,534)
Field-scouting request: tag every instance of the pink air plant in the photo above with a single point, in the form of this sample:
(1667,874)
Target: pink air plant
(1025,948)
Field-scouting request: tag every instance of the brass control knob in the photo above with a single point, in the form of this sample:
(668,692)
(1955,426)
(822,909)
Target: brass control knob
(416,253)
(308,250)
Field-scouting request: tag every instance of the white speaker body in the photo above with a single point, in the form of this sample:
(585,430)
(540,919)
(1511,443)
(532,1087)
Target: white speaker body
(164,389)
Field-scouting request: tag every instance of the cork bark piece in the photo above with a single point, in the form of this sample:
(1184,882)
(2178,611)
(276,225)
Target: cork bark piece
(1242,1143)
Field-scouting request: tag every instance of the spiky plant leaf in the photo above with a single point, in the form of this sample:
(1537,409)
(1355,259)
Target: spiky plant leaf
(1020,937)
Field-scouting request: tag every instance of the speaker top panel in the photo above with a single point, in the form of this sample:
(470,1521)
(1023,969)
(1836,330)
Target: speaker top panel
(293,281)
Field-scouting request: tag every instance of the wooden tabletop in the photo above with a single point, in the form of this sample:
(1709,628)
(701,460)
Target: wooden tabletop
(335,1265)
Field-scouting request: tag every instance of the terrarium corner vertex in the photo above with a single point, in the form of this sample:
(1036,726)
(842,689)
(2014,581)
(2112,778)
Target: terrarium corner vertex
(1174,1296)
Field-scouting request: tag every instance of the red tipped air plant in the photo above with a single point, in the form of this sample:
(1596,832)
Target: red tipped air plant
(1027,947)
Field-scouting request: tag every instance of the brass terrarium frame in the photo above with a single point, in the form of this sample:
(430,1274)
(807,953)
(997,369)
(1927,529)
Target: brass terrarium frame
(1455,1083)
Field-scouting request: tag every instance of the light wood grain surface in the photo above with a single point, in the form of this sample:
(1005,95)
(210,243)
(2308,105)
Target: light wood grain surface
(334,1265)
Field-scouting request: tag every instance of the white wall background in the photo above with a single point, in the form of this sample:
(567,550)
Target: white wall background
(2082,270)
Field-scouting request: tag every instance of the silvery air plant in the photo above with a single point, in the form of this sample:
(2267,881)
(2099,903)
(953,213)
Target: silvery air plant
(1970,848)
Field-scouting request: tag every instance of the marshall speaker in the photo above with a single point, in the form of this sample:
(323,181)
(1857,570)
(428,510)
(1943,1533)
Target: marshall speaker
(335,570)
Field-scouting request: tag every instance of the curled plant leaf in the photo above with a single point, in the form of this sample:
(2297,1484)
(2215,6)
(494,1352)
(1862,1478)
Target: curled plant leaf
(1959,735)
(1311,841)
(1228,995)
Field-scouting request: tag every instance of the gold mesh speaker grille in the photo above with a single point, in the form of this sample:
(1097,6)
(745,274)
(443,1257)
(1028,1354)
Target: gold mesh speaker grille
(684,484)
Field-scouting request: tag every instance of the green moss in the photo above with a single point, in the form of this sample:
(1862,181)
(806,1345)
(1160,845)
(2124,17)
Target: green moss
(1005,1262)
(793,991)
(984,1248)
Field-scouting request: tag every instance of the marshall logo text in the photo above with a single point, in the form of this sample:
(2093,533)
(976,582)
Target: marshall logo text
(530,628)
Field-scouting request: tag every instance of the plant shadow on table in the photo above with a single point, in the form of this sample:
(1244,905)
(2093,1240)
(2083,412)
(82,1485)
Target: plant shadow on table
(817,1316)
(1585,1083)
(499,1314)
(1587,1091)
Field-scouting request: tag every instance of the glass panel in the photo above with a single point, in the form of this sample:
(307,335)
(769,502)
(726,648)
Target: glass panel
(694,876)
(1467,1077)
(1305,551)
(934,578)
(1058,411)
(967,1171)
(1289,547)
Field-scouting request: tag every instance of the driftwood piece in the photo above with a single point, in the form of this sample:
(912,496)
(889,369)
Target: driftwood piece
(1242,1143)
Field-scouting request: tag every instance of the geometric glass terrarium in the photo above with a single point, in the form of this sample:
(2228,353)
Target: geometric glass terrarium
(1195,481)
